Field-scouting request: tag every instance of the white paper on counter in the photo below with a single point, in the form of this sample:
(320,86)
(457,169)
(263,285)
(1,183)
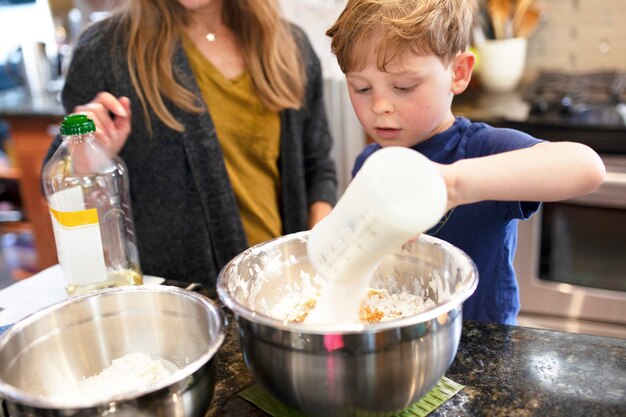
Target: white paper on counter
(38,291)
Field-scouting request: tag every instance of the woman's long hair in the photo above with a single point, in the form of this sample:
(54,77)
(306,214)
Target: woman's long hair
(152,30)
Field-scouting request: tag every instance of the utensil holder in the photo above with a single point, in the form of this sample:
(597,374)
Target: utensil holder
(501,63)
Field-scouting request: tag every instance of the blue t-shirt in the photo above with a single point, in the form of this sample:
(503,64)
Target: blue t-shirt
(487,230)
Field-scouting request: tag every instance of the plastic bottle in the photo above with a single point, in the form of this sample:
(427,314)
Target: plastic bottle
(397,194)
(88,197)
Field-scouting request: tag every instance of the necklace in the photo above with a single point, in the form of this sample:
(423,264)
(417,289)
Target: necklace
(210,37)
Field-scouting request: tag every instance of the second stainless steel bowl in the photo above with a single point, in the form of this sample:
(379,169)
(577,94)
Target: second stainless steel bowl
(331,371)
(46,354)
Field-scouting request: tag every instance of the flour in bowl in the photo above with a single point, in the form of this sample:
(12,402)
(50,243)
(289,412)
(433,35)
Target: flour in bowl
(378,305)
(129,373)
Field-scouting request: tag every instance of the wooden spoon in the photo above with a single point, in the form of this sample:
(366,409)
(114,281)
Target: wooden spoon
(500,13)
(528,23)
(520,11)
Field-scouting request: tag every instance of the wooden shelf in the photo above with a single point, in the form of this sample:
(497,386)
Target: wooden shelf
(15,227)
(31,137)
(10,173)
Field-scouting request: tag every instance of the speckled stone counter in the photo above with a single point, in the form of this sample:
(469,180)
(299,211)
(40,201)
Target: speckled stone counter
(506,370)
(517,371)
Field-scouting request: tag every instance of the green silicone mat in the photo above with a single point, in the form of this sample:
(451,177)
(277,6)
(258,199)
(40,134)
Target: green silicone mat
(442,392)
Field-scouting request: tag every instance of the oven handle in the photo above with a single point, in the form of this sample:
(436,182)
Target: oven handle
(612,193)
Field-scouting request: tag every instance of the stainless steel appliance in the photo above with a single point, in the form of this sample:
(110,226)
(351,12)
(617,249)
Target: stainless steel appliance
(571,256)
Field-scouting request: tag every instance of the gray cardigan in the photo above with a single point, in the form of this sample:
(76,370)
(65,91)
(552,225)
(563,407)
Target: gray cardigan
(186,216)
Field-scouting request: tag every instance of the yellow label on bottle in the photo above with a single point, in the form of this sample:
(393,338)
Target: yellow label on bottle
(72,219)
(78,238)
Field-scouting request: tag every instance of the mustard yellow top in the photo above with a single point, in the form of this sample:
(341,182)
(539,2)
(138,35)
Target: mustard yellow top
(249,136)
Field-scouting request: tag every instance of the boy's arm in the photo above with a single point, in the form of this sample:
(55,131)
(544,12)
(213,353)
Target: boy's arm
(548,171)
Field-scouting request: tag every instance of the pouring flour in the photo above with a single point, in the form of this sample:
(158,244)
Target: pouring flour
(397,194)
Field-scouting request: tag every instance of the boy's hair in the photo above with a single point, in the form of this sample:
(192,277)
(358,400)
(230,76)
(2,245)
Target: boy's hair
(439,27)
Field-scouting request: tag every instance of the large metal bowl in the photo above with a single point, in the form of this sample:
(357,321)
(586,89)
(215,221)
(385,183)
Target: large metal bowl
(374,369)
(55,348)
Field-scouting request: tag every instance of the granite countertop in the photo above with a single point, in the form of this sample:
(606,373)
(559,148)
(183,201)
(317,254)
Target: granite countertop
(17,102)
(506,370)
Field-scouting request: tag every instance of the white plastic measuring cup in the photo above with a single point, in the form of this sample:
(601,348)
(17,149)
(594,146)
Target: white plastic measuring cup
(397,194)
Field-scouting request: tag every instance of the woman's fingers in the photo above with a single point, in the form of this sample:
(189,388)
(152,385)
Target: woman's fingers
(111,117)
(122,123)
(100,116)
(113,104)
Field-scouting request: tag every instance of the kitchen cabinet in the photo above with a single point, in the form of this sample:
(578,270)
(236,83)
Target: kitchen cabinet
(32,126)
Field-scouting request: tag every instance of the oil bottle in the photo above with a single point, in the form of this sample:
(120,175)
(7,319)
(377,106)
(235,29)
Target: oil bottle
(87,190)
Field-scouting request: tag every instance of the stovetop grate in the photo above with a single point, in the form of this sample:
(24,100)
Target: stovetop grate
(607,87)
(590,99)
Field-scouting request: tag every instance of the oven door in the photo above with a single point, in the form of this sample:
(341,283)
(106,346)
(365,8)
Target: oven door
(571,256)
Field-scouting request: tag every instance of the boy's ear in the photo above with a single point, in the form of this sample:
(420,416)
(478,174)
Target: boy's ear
(462,66)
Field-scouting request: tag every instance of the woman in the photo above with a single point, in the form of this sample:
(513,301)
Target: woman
(216,107)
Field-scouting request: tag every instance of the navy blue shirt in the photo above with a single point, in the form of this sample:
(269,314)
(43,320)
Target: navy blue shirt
(487,230)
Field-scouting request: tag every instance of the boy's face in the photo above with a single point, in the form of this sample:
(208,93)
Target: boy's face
(405,105)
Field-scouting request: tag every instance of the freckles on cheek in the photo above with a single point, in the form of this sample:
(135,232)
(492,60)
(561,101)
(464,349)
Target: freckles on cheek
(362,119)
(428,111)
(426,108)
(360,109)
(416,112)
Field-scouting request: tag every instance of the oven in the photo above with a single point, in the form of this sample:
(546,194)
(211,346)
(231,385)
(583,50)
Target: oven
(571,260)
(571,255)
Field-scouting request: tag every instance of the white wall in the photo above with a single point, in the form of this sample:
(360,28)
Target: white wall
(315,17)
(26,23)
(579,36)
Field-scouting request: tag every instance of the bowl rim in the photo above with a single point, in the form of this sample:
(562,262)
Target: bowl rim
(11,393)
(357,328)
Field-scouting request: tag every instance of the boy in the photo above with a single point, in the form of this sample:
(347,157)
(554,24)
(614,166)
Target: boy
(404,61)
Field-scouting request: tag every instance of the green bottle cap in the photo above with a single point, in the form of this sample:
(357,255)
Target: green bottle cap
(77,124)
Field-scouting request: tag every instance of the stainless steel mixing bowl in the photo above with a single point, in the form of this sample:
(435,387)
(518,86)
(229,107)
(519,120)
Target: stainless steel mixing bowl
(370,370)
(53,349)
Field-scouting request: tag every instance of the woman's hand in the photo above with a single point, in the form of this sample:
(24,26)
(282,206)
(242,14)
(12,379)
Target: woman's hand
(318,211)
(111,117)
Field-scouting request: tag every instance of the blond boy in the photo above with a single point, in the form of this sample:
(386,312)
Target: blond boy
(404,62)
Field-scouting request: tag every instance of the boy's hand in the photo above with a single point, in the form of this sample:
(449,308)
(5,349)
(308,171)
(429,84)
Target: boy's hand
(111,117)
